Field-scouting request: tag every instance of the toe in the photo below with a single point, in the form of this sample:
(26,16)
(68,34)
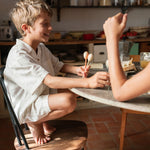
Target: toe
(48,138)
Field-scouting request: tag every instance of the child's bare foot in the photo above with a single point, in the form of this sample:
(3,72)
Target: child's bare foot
(38,133)
(48,129)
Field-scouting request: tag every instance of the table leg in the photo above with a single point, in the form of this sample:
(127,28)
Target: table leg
(123,127)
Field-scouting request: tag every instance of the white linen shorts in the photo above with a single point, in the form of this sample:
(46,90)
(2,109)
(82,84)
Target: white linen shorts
(38,110)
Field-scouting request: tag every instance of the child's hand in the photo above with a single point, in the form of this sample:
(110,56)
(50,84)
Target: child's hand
(100,79)
(82,71)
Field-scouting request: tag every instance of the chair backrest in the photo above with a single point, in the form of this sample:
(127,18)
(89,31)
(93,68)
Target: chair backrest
(15,122)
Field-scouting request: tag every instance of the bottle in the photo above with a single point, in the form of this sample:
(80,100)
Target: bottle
(105,3)
(116,3)
(148,2)
(89,2)
(81,2)
(126,2)
(95,2)
(73,2)
(139,2)
(132,2)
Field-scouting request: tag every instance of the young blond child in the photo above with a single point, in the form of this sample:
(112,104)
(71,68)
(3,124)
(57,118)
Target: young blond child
(30,73)
(123,88)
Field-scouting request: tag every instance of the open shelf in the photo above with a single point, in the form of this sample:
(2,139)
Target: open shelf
(72,42)
(122,7)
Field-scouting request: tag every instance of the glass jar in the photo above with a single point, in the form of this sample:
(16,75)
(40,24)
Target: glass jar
(116,2)
(95,2)
(148,2)
(139,2)
(132,2)
(81,2)
(126,3)
(105,3)
(144,59)
(89,2)
(73,2)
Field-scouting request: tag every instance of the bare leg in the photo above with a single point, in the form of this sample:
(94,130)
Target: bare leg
(60,105)
(48,129)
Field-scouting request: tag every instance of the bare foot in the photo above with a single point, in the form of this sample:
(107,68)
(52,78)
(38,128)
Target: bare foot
(48,129)
(38,133)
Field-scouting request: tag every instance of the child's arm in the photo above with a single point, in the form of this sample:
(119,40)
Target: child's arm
(122,88)
(80,71)
(100,79)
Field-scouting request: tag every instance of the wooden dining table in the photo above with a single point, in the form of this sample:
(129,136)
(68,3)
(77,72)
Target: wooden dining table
(138,105)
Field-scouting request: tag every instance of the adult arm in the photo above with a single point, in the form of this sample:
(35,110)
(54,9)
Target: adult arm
(122,88)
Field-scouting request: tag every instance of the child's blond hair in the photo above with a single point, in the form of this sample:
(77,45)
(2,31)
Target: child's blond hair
(27,11)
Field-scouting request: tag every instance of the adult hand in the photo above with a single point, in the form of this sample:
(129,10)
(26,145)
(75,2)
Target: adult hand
(100,79)
(114,26)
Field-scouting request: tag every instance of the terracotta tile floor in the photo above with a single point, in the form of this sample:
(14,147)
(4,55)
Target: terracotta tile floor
(103,129)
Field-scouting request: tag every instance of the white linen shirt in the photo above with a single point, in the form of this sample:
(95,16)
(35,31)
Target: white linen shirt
(24,73)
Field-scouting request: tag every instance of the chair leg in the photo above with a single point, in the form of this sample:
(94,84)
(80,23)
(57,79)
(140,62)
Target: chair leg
(26,126)
(123,127)
(23,137)
(17,134)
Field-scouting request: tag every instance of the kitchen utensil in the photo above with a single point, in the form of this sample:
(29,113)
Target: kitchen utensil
(90,58)
(85,55)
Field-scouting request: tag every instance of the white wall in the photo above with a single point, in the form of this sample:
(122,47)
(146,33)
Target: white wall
(81,19)
(5,6)
(93,18)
